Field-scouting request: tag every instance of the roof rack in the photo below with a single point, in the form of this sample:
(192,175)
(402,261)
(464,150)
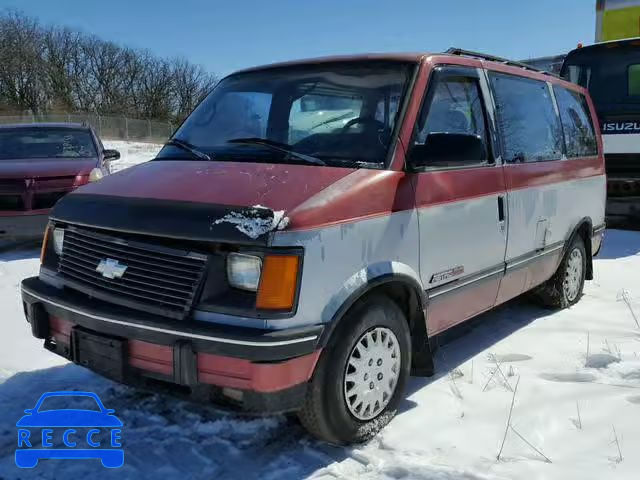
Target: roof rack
(483,56)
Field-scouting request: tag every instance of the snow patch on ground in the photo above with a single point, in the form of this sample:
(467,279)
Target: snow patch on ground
(256,221)
(578,370)
(131,153)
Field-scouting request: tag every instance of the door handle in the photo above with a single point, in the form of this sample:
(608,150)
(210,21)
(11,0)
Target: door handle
(501,213)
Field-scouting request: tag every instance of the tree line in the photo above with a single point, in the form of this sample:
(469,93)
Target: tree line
(53,69)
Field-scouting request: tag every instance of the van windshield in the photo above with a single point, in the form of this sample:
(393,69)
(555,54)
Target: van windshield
(339,114)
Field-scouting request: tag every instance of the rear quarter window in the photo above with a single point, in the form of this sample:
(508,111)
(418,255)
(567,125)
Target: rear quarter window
(527,119)
(579,135)
(634,80)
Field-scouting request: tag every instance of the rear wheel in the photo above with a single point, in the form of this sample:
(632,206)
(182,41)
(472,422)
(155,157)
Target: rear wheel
(360,378)
(565,287)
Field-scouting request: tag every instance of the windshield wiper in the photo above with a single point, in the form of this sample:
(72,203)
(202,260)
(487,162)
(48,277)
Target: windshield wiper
(176,142)
(333,119)
(279,147)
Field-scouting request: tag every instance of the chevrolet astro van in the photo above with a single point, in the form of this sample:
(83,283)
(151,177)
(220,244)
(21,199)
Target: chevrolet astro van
(281,265)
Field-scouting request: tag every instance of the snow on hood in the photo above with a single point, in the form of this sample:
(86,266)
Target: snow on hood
(256,220)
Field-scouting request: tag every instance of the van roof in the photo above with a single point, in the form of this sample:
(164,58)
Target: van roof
(384,57)
(409,57)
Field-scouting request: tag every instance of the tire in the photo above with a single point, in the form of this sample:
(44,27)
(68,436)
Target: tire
(330,412)
(565,287)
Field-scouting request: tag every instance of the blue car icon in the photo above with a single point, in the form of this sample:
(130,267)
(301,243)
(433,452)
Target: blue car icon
(97,420)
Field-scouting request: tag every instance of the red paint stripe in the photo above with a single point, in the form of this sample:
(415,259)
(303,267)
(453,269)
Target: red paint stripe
(60,329)
(520,280)
(434,188)
(258,377)
(151,357)
(364,193)
(373,194)
(449,310)
(453,308)
(526,175)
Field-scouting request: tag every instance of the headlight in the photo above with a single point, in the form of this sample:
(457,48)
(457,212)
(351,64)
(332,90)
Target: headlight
(95,175)
(243,271)
(58,240)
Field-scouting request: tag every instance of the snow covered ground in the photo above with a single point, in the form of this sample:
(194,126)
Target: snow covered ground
(449,428)
(131,153)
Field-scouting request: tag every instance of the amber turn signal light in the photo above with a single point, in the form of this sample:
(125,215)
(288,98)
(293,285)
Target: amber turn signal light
(44,243)
(278,282)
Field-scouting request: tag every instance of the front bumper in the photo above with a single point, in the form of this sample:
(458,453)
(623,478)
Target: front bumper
(23,226)
(256,370)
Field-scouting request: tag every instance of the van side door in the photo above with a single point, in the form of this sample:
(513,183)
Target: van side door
(533,154)
(460,197)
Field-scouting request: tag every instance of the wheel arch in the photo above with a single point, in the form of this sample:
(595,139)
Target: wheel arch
(584,229)
(410,297)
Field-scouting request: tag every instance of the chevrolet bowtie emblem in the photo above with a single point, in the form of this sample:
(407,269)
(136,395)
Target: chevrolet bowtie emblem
(110,268)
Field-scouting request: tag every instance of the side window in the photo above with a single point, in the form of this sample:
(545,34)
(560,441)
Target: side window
(579,74)
(634,80)
(451,129)
(527,119)
(579,137)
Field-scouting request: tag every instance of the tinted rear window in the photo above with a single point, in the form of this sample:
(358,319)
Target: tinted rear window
(579,136)
(634,80)
(527,119)
(37,142)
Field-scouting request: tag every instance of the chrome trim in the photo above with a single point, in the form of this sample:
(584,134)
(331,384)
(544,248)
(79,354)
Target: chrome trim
(535,256)
(462,283)
(599,230)
(171,332)
(456,284)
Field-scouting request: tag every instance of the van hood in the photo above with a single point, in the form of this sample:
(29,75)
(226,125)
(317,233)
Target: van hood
(238,184)
(234,202)
(220,201)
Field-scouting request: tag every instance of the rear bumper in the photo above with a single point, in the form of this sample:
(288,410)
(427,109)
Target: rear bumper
(23,226)
(623,207)
(256,370)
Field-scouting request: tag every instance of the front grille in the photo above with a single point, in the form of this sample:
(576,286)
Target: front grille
(46,200)
(158,279)
(12,185)
(12,203)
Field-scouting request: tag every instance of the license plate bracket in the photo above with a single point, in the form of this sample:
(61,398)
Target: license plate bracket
(101,353)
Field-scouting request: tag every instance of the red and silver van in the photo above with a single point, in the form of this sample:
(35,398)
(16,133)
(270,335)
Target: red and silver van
(277,262)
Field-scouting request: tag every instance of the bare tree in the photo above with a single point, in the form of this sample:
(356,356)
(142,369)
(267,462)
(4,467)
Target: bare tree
(52,69)
(190,85)
(21,68)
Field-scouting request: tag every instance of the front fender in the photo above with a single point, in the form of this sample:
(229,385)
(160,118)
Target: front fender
(366,279)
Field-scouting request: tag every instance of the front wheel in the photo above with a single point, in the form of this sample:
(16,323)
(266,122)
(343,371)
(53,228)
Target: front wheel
(565,287)
(360,378)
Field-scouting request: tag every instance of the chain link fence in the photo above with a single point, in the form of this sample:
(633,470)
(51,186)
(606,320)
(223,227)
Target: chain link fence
(107,127)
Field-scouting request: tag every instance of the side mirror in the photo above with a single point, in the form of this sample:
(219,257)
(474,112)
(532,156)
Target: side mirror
(448,150)
(111,154)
